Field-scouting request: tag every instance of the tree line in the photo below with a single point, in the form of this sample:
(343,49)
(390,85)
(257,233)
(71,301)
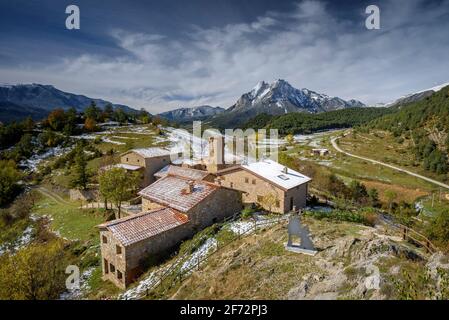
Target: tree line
(304,123)
(426,124)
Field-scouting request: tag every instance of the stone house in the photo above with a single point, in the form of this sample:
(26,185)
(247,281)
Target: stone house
(180,200)
(150,160)
(173,209)
(267,183)
(127,241)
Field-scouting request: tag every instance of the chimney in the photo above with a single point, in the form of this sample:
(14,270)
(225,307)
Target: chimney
(191,185)
(189,188)
(285,170)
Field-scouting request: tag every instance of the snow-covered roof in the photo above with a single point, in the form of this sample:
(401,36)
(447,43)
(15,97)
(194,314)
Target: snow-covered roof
(275,172)
(151,152)
(127,166)
(123,166)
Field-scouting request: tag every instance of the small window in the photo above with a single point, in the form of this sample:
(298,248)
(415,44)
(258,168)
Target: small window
(106,266)
(118,249)
(138,160)
(105,239)
(111,267)
(127,160)
(119,275)
(231,185)
(246,180)
(254,181)
(278,204)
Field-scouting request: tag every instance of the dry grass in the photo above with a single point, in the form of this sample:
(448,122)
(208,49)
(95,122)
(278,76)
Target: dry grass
(403,193)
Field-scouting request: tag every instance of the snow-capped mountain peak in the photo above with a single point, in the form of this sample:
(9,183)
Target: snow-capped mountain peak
(281,97)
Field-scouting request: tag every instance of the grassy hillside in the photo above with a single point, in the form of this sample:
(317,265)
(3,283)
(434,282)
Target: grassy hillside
(294,123)
(259,267)
(424,125)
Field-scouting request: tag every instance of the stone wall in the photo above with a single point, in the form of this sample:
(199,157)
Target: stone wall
(110,257)
(255,189)
(151,165)
(83,195)
(130,263)
(217,206)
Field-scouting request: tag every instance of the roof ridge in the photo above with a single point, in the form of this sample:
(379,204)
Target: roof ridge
(134,216)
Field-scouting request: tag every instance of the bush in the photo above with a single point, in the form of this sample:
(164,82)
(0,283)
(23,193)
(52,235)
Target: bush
(36,272)
(368,218)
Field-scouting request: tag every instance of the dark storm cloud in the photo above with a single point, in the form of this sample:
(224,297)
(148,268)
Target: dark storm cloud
(162,54)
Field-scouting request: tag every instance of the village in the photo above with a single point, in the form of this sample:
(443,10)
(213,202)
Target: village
(178,200)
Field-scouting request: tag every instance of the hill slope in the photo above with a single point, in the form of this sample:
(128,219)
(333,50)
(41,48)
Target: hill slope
(295,123)
(38,100)
(426,124)
(353,262)
(191,114)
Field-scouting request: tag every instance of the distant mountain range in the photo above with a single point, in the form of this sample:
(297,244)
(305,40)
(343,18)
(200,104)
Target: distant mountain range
(414,97)
(276,98)
(37,100)
(191,114)
(279,98)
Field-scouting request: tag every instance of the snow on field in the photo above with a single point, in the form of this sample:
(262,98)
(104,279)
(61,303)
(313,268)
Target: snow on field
(33,162)
(321,209)
(19,243)
(138,291)
(180,138)
(199,254)
(76,294)
(107,140)
(240,227)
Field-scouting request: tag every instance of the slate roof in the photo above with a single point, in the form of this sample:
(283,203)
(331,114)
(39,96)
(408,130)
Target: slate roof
(170,191)
(187,173)
(145,225)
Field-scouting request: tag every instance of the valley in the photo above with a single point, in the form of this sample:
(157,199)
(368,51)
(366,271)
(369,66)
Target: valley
(354,205)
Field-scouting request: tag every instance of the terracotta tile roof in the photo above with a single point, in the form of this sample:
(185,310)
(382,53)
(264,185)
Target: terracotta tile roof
(145,225)
(187,173)
(170,191)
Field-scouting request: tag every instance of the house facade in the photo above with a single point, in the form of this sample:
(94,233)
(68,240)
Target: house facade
(268,184)
(173,209)
(150,160)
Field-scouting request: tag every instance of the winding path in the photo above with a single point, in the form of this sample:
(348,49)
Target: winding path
(336,147)
(52,195)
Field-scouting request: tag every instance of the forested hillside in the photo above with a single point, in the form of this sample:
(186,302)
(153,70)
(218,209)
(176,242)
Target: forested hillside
(426,124)
(294,123)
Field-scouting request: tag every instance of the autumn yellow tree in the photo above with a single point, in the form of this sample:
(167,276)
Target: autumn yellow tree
(90,124)
(36,272)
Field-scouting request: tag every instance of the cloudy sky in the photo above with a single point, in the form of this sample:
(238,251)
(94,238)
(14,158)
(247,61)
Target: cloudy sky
(161,55)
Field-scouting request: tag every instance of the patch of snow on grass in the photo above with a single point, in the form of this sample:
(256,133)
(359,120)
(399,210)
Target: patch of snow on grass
(199,254)
(33,162)
(77,294)
(19,243)
(137,292)
(107,140)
